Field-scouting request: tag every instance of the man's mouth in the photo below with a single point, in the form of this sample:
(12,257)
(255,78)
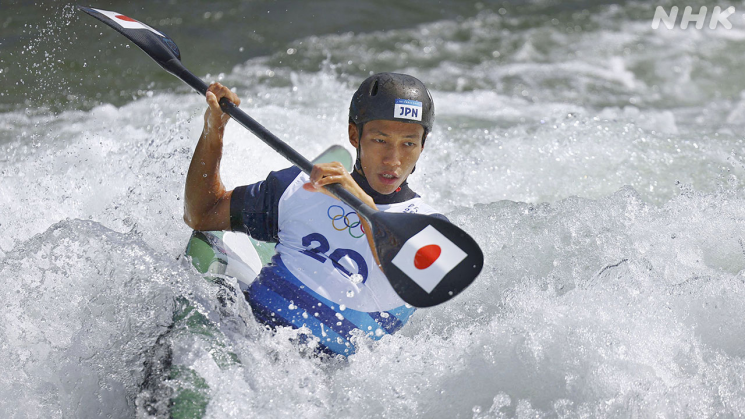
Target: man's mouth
(388,178)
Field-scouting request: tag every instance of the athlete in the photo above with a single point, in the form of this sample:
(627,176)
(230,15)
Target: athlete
(324,278)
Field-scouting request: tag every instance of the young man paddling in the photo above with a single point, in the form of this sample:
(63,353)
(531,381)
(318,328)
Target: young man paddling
(324,276)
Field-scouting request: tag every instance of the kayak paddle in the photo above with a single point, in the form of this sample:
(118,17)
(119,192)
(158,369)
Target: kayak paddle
(427,260)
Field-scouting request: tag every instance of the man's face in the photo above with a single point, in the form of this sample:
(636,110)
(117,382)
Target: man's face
(389,152)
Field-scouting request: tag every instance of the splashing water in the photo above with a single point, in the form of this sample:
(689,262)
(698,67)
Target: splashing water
(598,163)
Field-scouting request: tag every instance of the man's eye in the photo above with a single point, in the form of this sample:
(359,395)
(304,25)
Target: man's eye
(378,140)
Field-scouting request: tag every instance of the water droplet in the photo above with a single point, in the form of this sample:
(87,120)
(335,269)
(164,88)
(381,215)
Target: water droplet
(356,278)
(350,293)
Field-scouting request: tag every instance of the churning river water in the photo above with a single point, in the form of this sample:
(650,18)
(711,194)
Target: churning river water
(599,162)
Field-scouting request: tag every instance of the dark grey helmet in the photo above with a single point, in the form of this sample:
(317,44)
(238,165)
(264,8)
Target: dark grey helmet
(393,97)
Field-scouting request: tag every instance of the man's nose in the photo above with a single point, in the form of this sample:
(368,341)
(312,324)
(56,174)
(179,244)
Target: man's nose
(392,157)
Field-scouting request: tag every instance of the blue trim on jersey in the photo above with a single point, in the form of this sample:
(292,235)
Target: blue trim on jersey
(264,316)
(403,313)
(333,340)
(272,293)
(311,305)
(365,321)
(390,324)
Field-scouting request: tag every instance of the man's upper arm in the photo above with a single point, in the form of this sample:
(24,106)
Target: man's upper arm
(218,217)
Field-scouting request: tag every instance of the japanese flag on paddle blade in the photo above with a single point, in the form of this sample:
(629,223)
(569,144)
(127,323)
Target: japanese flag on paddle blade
(127,22)
(427,257)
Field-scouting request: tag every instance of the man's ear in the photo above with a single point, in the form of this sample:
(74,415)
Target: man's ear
(354,138)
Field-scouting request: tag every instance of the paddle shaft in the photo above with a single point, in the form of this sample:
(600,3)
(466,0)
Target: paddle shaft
(177,69)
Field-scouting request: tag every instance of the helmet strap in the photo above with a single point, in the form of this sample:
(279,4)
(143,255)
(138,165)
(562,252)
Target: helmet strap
(424,137)
(358,163)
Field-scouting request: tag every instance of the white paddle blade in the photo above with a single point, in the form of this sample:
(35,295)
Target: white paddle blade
(335,153)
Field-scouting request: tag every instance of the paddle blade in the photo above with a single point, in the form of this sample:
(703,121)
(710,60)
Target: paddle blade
(155,43)
(335,153)
(427,260)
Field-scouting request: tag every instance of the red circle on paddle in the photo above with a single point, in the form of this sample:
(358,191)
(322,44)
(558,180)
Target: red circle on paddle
(128,19)
(426,256)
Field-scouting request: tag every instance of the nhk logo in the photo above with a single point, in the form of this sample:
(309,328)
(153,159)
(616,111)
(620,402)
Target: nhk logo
(718,16)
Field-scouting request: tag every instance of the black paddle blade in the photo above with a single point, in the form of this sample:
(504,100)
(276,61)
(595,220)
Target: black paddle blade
(427,260)
(155,43)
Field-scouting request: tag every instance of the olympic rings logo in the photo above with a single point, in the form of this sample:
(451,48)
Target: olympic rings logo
(341,221)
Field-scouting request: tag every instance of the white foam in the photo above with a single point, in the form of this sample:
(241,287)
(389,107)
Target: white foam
(598,169)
